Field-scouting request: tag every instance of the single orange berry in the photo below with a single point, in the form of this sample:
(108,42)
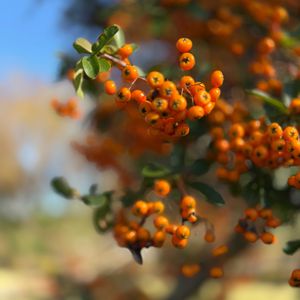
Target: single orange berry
(110,87)
(138,96)
(220,250)
(217,78)
(216,272)
(162,187)
(250,236)
(124,95)
(155,79)
(182,232)
(130,73)
(158,239)
(209,236)
(160,222)
(179,243)
(267,237)
(195,113)
(186,61)
(251,213)
(140,208)
(184,45)
(187,202)
(125,51)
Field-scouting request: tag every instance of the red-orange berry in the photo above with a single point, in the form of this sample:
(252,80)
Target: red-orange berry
(184,45)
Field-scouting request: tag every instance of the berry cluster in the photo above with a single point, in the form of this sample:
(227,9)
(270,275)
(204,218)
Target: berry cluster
(165,105)
(68,109)
(265,146)
(255,223)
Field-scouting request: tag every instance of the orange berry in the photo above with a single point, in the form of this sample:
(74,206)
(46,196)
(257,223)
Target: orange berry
(182,232)
(186,82)
(178,103)
(274,131)
(140,208)
(219,250)
(143,235)
(160,104)
(190,270)
(196,87)
(217,78)
(215,94)
(110,87)
(186,61)
(160,222)
(290,133)
(171,228)
(152,118)
(202,98)
(155,79)
(184,45)
(266,213)
(145,107)
(273,222)
(266,46)
(158,207)
(267,237)
(182,130)
(195,113)
(124,95)
(179,243)
(158,239)
(130,73)
(216,272)
(250,236)
(138,96)
(187,202)
(236,130)
(168,89)
(251,213)
(162,187)
(131,237)
(209,236)
(125,51)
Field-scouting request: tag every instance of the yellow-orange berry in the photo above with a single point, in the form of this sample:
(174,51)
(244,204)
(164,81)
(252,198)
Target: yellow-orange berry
(267,237)
(182,232)
(158,239)
(130,73)
(217,78)
(140,208)
(184,45)
(160,222)
(110,87)
(179,243)
(186,61)
(162,187)
(155,79)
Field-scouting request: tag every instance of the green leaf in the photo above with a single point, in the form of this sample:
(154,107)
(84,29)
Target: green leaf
(269,100)
(78,79)
(91,66)
(100,220)
(98,199)
(104,38)
(199,167)
(291,247)
(140,71)
(82,45)
(155,171)
(119,38)
(109,49)
(210,193)
(62,187)
(104,65)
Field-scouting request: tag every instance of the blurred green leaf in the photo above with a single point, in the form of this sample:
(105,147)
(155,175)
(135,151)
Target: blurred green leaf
(134,47)
(109,49)
(62,187)
(268,100)
(199,167)
(291,247)
(78,79)
(210,193)
(91,66)
(155,171)
(104,38)
(119,38)
(82,45)
(104,65)
(100,220)
(100,200)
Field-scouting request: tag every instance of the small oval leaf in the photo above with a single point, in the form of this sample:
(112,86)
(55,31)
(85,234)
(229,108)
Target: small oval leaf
(82,45)
(91,66)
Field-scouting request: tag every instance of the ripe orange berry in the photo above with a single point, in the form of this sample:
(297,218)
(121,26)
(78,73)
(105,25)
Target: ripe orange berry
(236,130)
(152,118)
(195,113)
(125,51)
(274,131)
(186,82)
(182,130)
(162,187)
(197,87)
(160,222)
(273,222)
(266,213)
(131,237)
(184,45)
(190,270)
(251,213)
(187,202)
(192,218)
(209,107)
(202,98)
(160,104)
(124,94)
(145,107)
(155,79)
(158,239)
(186,61)
(110,87)
(219,250)
(266,46)
(182,232)
(209,236)
(143,235)
(130,73)
(178,103)
(217,78)
(216,272)
(187,213)
(222,145)
(140,208)
(290,133)
(250,236)
(168,89)
(267,237)
(215,94)
(138,96)
(158,207)
(179,243)
(171,228)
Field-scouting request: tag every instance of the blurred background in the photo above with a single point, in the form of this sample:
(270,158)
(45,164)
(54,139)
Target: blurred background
(48,246)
